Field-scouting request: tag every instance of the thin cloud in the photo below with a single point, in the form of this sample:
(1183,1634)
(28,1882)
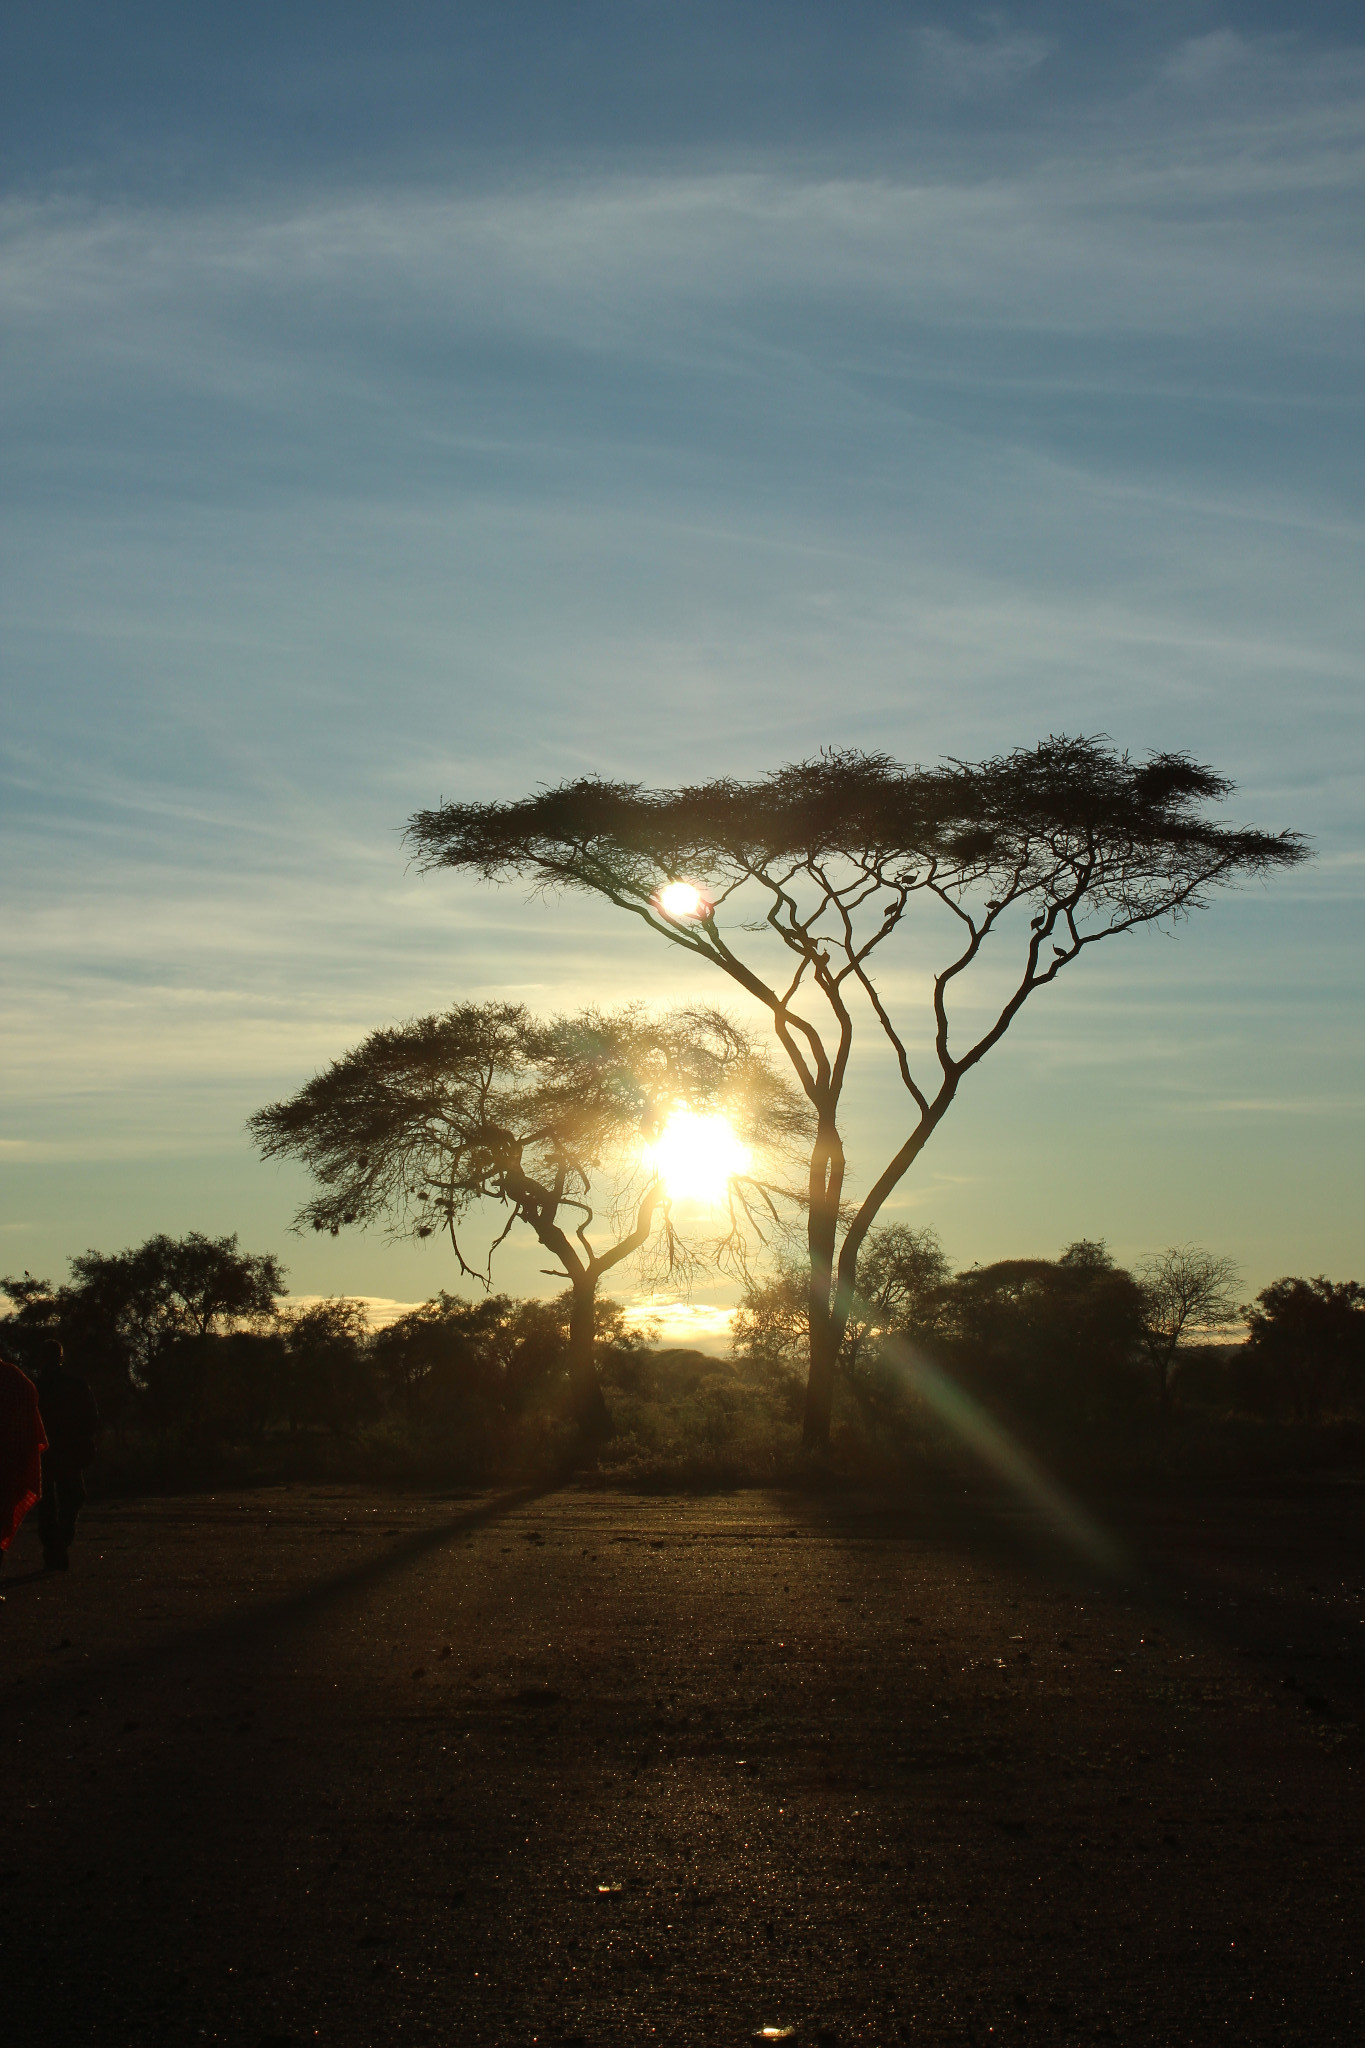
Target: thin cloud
(1223,57)
(973,68)
(1132,238)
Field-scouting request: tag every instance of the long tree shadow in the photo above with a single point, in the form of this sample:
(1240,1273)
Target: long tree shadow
(308,1603)
(230,1746)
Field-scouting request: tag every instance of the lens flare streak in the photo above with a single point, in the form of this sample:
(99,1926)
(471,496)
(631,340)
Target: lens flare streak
(997,1450)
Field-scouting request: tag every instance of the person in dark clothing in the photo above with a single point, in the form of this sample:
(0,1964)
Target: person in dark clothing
(21,1448)
(71,1425)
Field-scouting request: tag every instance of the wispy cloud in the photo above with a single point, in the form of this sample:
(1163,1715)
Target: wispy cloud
(1204,244)
(1226,56)
(1288,1105)
(970,68)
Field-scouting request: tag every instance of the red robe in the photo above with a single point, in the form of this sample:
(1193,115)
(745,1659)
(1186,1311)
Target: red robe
(22,1444)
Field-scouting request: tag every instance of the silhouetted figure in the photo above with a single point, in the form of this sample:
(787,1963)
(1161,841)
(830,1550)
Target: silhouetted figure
(21,1446)
(71,1423)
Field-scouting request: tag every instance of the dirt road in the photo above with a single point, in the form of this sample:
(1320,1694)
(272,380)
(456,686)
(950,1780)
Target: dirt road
(328,1765)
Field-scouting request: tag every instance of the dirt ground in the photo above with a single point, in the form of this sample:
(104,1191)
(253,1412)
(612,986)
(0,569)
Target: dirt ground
(339,1766)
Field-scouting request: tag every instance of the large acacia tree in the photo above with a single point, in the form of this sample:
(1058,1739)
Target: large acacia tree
(1036,854)
(422,1126)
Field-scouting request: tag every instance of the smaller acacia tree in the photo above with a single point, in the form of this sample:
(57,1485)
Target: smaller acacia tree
(422,1125)
(1184,1289)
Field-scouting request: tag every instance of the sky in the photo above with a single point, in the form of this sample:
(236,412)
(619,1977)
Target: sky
(420,401)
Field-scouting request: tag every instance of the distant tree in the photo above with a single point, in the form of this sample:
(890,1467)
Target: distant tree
(422,1125)
(902,1275)
(1184,1289)
(903,1278)
(448,1349)
(121,1313)
(820,864)
(1052,1342)
(771,1324)
(448,1365)
(189,1286)
(1088,1255)
(32,1303)
(1306,1338)
(86,1320)
(218,1387)
(329,1380)
(465,1373)
(31,1316)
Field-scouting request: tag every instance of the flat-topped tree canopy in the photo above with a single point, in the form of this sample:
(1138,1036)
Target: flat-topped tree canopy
(1040,819)
(1057,846)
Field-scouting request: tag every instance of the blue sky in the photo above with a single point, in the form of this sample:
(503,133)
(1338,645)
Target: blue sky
(425,400)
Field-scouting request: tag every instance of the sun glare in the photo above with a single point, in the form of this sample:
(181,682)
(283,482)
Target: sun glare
(695,1156)
(683,899)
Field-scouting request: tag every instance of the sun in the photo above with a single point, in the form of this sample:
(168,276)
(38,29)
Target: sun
(683,900)
(696,1156)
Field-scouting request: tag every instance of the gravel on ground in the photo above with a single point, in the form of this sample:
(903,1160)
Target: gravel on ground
(335,1765)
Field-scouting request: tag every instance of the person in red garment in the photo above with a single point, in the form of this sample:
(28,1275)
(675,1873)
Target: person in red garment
(22,1444)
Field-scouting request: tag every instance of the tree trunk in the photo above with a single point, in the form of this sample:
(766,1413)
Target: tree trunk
(585,1391)
(824,1341)
(819,1387)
